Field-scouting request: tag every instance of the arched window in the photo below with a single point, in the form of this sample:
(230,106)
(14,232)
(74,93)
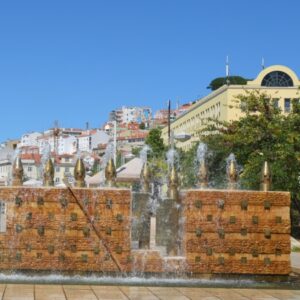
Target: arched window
(277,78)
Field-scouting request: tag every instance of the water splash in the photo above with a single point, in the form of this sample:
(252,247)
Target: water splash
(78,154)
(12,159)
(172,158)
(202,153)
(203,168)
(56,278)
(45,155)
(144,153)
(229,161)
(109,153)
(232,171)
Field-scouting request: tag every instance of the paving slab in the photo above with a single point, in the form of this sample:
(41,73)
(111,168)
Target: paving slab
(197,294)
(138,293)
(49,292)
(109,292)
(167,293)
(256,294)
(80,294)
(284,294)
(227,294)
(19,292)
(97,292)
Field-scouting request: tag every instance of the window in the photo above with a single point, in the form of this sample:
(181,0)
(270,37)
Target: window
(287,105)
(57,179)
(2,216)
(67,169)
(57,169)
(277,78)
(29,169)
(276,102)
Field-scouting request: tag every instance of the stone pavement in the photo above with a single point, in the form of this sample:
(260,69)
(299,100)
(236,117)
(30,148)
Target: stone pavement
(97,292)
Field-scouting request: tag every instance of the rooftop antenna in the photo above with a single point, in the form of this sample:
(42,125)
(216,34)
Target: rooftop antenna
(55,136)
(262,62)
(169,122)
(227,70)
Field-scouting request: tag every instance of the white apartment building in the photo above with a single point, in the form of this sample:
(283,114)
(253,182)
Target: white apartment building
(63,144)
(29,139)
(90,140)
(134,114)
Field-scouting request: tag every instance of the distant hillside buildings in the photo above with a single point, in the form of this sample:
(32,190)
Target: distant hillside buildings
(134,114)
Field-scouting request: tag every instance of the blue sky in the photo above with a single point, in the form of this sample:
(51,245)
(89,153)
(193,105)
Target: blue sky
(74,61)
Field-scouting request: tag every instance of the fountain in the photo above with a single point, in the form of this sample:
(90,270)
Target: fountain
(142,206)
(173,184)
(110,173)
(232,172)
(17,172)
(203,169)
(146,174)
(114,231)
(49,173)
(265,177)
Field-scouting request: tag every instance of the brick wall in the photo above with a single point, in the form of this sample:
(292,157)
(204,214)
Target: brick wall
(224,232)
(237,232)
(47,229)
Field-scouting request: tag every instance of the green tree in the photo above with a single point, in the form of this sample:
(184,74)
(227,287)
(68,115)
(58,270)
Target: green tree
(155,141)
(136,151)
(95,167)
(263,133)
(220,81)
(142,126)
(188,167)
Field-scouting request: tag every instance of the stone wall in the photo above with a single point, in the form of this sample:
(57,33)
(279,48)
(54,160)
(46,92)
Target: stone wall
(48,230)
(237,232)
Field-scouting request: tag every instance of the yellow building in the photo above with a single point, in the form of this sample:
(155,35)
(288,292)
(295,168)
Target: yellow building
(279,82)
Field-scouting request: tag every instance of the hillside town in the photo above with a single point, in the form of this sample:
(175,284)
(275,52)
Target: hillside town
(128,127)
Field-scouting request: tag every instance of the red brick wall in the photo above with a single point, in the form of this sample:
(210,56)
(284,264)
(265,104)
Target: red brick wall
(48,230)
(234,239)
(68,242)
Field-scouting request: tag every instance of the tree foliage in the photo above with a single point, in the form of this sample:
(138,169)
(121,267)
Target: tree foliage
(263,133)
(155,141)
(136,151)
(220,81)
(188,167)
(142,126)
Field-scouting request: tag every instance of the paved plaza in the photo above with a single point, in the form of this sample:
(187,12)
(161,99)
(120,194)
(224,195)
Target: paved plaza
(94,292)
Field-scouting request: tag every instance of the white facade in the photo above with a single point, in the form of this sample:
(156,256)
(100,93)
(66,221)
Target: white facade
(134,114)
(65,144)
(91,139)
(31,170)
(30,139)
